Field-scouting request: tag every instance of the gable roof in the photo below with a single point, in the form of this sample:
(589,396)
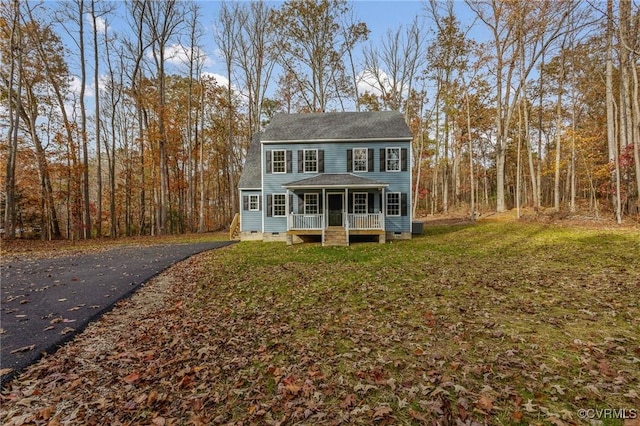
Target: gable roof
(336,126)
(252,171)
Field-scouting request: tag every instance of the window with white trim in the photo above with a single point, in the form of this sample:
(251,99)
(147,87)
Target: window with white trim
(254,202)
(311,203)
(279,161)
(393,159)
(310,160)
(279,205)
(393,204)
(360,160)
(360,202)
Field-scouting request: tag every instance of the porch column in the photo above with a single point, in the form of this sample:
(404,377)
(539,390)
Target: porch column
(383,209)
(325,210)
(346,208)
(288,209)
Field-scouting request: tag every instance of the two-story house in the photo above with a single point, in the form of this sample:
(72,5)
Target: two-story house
(329,177)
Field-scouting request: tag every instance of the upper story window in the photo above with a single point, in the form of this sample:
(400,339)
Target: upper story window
(279,161)
(310,160)
(393,159)
(360,161)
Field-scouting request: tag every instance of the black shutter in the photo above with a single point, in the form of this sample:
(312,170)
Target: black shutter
(300,161)
(349,160)
(320,202)
(404,159)
(260,202)
(291,203)
(321,161)
(245,202)
(370,200)
(370,166)
(383,159)
(269,205)
(403,204)
(289,168)
(268,154)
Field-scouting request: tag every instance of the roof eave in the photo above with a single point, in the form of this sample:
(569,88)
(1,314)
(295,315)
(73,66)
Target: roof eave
(338,186)
(342,140)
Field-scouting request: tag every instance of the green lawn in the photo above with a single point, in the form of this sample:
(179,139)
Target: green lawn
(498,323)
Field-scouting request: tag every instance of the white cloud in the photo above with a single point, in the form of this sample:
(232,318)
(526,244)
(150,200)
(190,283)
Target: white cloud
(101,23)
(220,79)
(177,55)
(368,82)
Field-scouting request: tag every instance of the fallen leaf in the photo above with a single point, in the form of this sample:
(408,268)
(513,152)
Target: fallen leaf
(382,411)
(485,403)
(132,378)
(23,349)
(349,401)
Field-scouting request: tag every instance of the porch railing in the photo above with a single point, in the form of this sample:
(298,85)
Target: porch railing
(305,221)
(365,221)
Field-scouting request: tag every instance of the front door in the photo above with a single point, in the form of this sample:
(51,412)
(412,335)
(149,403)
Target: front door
(335,203)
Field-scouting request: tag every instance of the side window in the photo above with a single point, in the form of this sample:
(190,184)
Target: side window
(254,203)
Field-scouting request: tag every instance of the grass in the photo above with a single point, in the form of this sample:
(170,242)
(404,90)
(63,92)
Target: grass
(500,314)
(496,322)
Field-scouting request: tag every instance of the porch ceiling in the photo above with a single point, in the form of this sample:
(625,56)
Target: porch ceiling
(335,180)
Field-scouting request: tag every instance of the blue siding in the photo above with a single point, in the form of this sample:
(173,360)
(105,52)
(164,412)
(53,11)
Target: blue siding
(250,220)
(335,161)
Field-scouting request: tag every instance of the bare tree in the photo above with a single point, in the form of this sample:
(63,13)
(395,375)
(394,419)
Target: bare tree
(396,63)
(11,31)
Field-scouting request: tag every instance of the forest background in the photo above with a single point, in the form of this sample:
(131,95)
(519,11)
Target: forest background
(112,124)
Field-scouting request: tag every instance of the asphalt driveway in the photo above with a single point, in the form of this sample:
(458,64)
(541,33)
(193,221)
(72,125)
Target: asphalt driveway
(45,302)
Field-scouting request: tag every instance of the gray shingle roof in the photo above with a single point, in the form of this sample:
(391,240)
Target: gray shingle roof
(336,180)
(251,173)
(337,126)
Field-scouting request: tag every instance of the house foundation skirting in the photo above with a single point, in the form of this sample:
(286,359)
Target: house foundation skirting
(251,236)
(390,236)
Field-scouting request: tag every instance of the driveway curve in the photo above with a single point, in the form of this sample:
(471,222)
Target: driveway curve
(45,302)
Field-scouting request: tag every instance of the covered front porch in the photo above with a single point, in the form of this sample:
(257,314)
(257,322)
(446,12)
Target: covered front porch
(336,209)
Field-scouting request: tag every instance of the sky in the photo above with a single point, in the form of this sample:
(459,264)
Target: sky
(379,15)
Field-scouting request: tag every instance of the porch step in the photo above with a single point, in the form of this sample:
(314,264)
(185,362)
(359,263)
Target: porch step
(335,236)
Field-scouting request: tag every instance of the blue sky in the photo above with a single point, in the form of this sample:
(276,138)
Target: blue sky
(379,15)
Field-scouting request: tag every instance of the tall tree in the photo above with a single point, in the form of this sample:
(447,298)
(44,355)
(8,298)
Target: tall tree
(313,47)
(162,20)
(396,63)
(10,28)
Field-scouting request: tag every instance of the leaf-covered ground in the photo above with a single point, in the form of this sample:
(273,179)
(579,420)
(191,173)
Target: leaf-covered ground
(492,323)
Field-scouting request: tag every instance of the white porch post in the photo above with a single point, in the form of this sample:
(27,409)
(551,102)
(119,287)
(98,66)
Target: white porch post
(345,213)
(288,210)
(383,209)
